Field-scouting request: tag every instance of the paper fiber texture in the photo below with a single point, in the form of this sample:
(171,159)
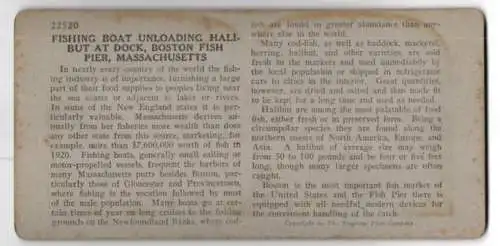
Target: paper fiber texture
(249,124)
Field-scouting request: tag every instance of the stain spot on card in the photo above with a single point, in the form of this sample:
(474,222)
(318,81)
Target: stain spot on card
(480,63)
(46,141)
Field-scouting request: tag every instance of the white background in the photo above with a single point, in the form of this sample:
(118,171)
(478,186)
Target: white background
(9,8)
